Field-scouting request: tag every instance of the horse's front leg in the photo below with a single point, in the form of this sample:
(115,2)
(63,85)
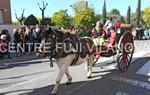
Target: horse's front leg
(62,70)
(68,77)
(90,65)
(51,62)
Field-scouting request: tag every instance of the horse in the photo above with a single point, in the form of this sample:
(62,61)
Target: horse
(68,50)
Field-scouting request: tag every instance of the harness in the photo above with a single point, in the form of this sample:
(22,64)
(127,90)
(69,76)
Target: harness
(77,53)
(74,41)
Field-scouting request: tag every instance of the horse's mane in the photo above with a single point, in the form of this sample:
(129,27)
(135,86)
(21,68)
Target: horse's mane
(61,35)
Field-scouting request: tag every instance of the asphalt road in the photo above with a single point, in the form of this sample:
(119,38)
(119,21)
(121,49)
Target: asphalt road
(35,77)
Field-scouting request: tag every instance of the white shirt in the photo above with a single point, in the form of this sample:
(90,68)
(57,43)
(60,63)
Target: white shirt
(108,24)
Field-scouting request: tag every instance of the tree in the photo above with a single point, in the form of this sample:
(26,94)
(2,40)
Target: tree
(97,17)
(104,12)
(79,5)
(61,19)
(43,8)
(16,22)
(84,18)
(115,12)
(146,16)
(31,20)
(21,19)
(46,21)
(138,13)
(128,17)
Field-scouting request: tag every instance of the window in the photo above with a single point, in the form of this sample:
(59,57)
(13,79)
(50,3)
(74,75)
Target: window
(1,17)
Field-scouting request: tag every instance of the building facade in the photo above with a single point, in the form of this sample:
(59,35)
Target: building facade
(5,12)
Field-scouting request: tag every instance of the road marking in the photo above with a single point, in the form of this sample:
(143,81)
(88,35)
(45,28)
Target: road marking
(21,83)
(121,93)
(139,54)
(144,70)
(138,83)
(136,55)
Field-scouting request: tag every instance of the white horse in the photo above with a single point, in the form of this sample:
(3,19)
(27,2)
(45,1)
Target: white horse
(63,59)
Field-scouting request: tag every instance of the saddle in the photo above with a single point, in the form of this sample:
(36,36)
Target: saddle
(81,46)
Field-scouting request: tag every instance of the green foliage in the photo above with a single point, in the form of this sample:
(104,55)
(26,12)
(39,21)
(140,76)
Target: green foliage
(79,5)
(61,19)
(138,13)
(84,18)
(16,22)
(97,18)
(31,20)
(128,17)
(46,21)
(146,16)
(115,12)
(133,18)
(104,12)
(119,18)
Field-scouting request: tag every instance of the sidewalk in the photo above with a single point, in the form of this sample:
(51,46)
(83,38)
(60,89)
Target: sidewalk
(5,62)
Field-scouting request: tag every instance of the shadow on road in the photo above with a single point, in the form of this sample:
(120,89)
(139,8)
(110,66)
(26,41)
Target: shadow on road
(102,85)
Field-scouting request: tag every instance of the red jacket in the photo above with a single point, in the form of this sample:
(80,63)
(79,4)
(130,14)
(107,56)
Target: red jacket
(112,38)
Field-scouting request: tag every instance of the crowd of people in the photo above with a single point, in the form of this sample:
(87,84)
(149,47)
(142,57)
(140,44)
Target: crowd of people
(102,34)
(21,36)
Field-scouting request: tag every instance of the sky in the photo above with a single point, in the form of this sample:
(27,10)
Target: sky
(31,6)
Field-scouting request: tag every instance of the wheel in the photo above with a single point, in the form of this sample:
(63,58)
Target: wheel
(125,51)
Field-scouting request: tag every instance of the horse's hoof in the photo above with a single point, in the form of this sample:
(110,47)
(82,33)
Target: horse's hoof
(93,65)
(89,77)
(51,65)
(52,94)
(68,83)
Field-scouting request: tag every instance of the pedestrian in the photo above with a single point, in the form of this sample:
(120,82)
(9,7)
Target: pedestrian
(16,39)
(2,46)
(7,41)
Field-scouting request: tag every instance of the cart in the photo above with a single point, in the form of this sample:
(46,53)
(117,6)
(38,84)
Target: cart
(123,49)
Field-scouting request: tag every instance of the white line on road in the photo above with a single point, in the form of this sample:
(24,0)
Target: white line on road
(138,83)
(21,83)
(121,93)
(144,70)
(139,54)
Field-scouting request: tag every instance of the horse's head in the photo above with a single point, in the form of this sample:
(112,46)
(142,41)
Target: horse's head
(47,43)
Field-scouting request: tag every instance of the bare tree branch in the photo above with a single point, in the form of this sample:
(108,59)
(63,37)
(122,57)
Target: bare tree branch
(43,8)
(39,6)
(21,18)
